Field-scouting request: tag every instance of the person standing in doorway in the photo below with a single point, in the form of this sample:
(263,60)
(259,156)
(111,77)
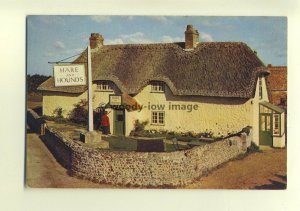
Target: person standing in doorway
(105,123)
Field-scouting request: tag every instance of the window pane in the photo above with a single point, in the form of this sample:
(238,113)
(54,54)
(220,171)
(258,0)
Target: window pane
(268,123)
(262,123)
(276,124)
(160,88)
(154,117)
(104,86)
(157,86)
(283,123)
(158,117)
(153,87)
(161,118)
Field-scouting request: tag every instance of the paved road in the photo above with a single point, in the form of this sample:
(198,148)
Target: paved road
(43,171)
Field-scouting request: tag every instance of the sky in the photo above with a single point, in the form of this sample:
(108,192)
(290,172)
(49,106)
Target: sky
(53,38)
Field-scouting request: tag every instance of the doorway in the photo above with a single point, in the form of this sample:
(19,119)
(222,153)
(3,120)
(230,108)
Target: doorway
(119,122)
(265,129)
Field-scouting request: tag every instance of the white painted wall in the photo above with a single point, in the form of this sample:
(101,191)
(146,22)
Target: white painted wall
(279,141)
(256,100)
(66,101)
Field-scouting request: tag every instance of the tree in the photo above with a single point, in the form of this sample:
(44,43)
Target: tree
(33,81)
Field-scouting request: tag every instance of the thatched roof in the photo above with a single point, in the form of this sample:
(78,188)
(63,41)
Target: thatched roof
(224,69)
(48,85)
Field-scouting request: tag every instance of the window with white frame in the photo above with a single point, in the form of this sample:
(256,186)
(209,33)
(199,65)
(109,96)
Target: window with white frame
(158,117)
(157,86)
(276,124)
(104,86)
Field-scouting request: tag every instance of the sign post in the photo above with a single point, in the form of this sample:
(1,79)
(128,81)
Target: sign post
(90,92)
(74,75)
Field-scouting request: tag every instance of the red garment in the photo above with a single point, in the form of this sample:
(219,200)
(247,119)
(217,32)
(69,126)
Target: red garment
(104,120)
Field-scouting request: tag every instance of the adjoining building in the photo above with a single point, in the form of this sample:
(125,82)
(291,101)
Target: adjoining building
(278,85)
(217,87)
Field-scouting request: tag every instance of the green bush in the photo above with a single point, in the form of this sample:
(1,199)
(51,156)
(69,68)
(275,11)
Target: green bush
(33,81)
(55,119)
(139,128)
(58,112)
(79,114)
(253,148)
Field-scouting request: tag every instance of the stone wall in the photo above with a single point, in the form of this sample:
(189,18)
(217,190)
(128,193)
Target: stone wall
(139,168)
(142,168)
(34,121)
(61,148)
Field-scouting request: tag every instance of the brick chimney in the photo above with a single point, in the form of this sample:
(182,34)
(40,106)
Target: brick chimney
(96,40)
(191,37)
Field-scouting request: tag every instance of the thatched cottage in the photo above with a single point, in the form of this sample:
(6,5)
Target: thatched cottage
(196,86)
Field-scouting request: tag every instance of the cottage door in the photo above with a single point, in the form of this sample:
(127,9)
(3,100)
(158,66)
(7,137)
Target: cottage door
(119,122)
(265,129)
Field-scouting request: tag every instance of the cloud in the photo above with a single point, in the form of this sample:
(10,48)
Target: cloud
(206,37)
(49,54)
(141,38)
(50,19)
(63,53)
(169,39)
(100,18)
(115,41)
(134,35)
(78,50)
(59,45)
(134,38)
(161,19)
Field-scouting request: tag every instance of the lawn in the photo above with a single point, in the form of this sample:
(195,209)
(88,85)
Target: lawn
(125,143)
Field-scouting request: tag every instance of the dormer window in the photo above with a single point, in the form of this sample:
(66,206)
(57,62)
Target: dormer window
(104,86)
(157,86)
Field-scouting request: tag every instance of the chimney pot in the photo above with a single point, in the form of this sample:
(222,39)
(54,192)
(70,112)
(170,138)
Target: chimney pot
(96,40)
(191,37)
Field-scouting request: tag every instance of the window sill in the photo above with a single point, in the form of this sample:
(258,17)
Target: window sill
(153,124)
(157,92)
(279,135)
(104,90)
